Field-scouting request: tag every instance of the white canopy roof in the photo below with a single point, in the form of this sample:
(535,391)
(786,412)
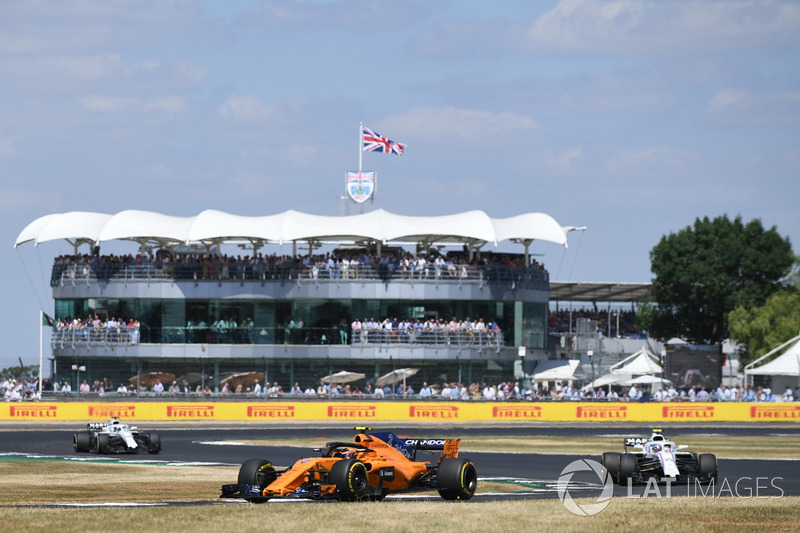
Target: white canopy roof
(556,370)
(212,226)
(637,364)
(609,379)
(786,364)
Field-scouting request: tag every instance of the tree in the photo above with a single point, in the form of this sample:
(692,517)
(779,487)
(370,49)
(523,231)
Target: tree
(29,372)
(760,329)
(704,272)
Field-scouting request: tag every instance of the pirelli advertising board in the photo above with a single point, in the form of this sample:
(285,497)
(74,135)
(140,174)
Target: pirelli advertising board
(365,411)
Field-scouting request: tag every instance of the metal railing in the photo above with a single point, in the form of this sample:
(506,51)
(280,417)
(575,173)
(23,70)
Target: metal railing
(89,336)
(92,336)
(87,273)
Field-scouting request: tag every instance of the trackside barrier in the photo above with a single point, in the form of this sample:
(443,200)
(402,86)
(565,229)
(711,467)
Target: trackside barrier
(402,411)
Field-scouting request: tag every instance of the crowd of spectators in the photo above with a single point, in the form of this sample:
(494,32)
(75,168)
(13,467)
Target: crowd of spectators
(429,331)
(18,390)
(15,390)
(93,328)
(338,265)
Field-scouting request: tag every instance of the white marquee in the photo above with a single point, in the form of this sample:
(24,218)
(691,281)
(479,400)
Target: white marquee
(212,227)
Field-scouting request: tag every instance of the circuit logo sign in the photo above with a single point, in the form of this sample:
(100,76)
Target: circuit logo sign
(603,412)
(112,411)
(780,412)
(523,411)
(687,411)
(590,470)
(271,411)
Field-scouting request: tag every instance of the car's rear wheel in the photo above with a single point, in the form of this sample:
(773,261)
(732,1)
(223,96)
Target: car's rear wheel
(610,462)
(627,468)
(707,466)
(351,479)
(257,472)
(82,441)
(154,444)
(102,443)
(457,479)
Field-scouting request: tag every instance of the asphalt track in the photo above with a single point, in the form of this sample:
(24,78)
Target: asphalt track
(537,475)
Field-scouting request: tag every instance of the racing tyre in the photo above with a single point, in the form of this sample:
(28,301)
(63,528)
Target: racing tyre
(102,443)
(154,444)
(457,479)
(82,441)
(257,472)
(627,468)
(707,466)
(610,462)
(351,479)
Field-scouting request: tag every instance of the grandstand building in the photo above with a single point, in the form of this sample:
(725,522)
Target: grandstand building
(368,293)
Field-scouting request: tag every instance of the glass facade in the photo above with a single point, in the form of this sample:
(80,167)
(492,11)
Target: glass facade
(250,321)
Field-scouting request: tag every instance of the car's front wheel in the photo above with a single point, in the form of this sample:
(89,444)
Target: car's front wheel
(707,466)
(257,472)
(351,479)
(457,479)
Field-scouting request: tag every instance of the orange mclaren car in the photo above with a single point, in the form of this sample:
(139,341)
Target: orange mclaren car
(369,468)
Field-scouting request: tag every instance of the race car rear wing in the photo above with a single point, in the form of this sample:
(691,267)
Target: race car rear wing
(409,447)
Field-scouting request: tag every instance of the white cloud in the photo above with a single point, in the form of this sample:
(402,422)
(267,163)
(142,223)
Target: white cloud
(249,109)
(643,26)
(432,122)
(738,106)
(111,104)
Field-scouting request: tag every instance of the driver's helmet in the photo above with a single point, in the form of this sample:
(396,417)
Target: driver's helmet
(655,448)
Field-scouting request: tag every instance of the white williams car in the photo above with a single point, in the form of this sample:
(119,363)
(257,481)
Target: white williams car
(115,437)
(660,459)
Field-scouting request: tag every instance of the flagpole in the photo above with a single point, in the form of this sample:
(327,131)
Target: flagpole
(41,321)
(360,141)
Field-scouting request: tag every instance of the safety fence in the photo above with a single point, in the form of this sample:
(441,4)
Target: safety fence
(88,274)
(368,411)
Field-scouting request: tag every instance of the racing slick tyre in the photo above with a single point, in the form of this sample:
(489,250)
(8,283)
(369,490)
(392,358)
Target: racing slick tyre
(457,479)
(707,466)
(627,468)
(610,462)
(82,441)
(102,443)
(351,480)
(154,444)
(257,472)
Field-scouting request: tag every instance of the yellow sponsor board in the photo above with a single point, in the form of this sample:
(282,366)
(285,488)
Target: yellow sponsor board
(367,411)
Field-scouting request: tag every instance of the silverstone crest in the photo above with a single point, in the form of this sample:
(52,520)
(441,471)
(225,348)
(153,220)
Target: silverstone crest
(361,185)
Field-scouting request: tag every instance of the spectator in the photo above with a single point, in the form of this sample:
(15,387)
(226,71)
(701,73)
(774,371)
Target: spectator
(174,389)
(158,387)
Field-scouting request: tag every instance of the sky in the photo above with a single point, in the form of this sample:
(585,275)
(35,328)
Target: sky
(630,117)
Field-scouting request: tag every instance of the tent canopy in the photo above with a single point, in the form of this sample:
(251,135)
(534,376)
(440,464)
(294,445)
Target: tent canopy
(556,370)
(786,364)
(213,226)
(639,363)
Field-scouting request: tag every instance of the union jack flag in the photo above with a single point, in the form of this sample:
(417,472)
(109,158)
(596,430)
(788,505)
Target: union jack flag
(374,142)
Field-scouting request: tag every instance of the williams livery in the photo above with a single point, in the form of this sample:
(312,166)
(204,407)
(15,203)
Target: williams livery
(656,458)
(370,467)
(114,436)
